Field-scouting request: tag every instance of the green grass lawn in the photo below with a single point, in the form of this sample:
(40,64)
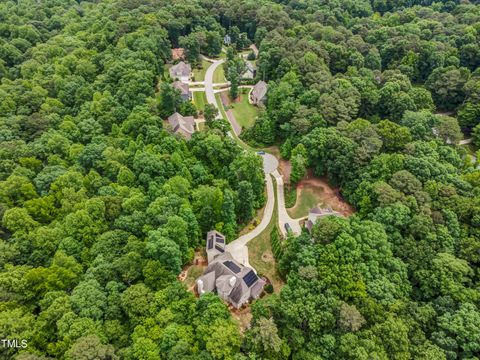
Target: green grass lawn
(201,126)
(219,75)
(199,74)
(244,112)
(222,112)
(307,198)
(199,99)
(260,253)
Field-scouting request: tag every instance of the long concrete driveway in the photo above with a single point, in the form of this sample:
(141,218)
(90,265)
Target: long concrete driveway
(238,248)
(283,217)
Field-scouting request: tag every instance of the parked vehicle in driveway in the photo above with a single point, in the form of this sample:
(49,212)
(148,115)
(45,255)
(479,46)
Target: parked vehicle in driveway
(288,228)
(261,152)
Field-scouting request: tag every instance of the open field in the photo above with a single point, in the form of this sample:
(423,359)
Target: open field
(307,198)
(219,75)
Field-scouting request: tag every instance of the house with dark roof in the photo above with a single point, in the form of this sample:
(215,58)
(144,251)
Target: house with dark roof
(181,71)
(316,213)
(183,125)
(184,90)
(215,244)
(258,94)
(233,282)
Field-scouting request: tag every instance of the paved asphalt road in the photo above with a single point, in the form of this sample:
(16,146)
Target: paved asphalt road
(270,163)
(209,84)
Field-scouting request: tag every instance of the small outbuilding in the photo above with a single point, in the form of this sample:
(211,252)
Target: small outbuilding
(178,54)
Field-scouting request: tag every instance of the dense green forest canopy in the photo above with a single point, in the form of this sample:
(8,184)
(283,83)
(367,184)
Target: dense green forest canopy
(101,206)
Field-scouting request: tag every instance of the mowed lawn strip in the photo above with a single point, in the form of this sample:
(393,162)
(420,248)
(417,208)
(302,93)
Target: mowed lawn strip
(244,112)
(199,99)
(219,75)
(199,73)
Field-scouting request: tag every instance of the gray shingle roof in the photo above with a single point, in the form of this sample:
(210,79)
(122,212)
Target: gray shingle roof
(259,91)
(184,88)
(184,125)
(181,69)
(240,291)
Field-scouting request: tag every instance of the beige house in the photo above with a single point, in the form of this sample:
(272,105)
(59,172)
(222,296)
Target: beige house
(184,90)
(183,125)
(259,93)
(316,213)
(181,71)
(233,282)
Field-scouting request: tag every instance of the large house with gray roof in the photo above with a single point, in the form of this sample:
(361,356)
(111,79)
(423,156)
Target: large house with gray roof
(232,281)
(183,125)
(250,71)
(181,71)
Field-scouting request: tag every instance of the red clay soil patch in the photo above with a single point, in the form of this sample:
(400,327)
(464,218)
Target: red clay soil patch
(225,99)
(330,196)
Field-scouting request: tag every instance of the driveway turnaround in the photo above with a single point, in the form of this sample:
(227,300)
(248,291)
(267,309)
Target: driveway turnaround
(270,163)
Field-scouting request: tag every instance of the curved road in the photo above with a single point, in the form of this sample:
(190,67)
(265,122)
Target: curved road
(209,84)
(238,248)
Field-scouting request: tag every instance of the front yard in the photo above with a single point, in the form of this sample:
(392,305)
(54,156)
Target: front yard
(199,99)
(307,198)
(199,73)
(244,112)
(219,75)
